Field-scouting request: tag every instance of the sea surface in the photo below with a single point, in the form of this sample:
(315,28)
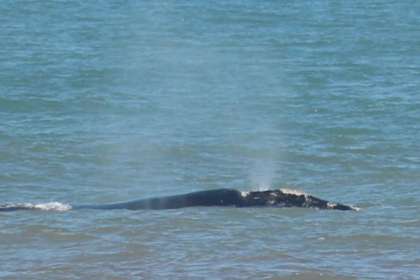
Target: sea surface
(106,101)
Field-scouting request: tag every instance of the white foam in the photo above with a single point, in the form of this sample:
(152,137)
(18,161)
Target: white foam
(356,208)
(57,206)
(53,206)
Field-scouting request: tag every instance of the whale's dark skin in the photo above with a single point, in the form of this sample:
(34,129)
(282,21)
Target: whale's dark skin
(217,197)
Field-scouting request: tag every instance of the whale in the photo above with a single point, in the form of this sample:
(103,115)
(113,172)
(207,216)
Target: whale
(283,198)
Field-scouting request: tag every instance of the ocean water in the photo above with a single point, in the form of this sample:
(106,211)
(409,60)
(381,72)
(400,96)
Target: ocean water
(105,101)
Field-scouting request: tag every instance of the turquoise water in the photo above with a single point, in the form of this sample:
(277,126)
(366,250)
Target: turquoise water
(128,99)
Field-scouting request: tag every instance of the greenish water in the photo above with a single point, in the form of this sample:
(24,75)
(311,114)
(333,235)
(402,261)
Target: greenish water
(105,102)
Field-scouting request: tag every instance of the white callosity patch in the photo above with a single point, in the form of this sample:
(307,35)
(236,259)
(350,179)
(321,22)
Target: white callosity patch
(292,191)
(244,194)
(273,200)
(297,193)
(331,205)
